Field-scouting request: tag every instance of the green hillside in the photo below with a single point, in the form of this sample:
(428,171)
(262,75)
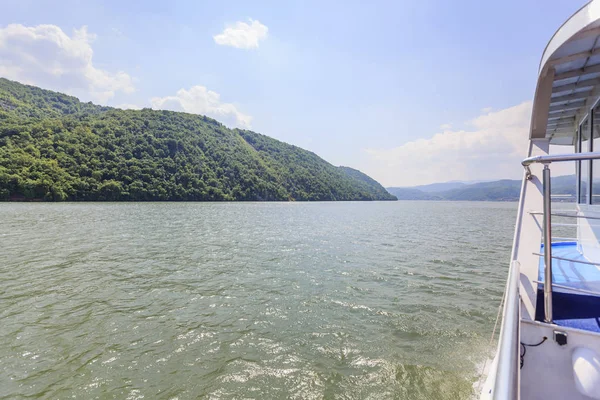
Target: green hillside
(502,190)
(411,193)
(54,147)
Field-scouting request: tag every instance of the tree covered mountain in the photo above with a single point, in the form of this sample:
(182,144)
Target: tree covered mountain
(440,187)
(502,190)
(54,147)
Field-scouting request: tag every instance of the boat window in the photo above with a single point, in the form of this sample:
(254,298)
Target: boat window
(584,167)
(595,178)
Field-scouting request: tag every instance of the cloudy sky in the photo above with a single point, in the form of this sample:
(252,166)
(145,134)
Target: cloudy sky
(409,92)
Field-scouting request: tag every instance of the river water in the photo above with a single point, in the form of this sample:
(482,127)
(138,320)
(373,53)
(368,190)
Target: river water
(382,300)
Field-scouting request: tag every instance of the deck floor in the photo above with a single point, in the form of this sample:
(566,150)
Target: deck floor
(571,309)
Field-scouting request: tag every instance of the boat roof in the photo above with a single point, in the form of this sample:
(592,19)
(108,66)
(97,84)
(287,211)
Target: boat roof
(569,77)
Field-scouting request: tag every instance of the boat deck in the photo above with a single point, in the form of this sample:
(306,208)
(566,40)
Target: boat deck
(571,308)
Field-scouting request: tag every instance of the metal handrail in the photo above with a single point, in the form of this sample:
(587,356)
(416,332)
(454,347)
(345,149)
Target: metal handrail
(547,214)
(506,385)
(573,289)
(547,226)
(570,260)
(564,215)
(507,378)
(574,216)
(550,158)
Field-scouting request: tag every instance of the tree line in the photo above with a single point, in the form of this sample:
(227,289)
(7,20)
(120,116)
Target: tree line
(55,148)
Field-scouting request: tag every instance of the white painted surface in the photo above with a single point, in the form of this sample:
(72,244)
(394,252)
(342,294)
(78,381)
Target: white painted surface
(570,58)
(547,371)
(528,232)
(586,372)
(551,371)
(588,231)
(488,386)
(577,23)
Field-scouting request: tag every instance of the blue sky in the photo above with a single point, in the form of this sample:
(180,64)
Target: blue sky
(365,84)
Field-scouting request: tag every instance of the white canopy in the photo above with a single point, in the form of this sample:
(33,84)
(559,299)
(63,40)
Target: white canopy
(569,77)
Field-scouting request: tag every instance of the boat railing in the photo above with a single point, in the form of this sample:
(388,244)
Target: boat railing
(507,368)
(507,378)
(547,214)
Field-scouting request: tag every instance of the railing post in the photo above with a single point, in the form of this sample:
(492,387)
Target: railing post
(547,245)
(506,385)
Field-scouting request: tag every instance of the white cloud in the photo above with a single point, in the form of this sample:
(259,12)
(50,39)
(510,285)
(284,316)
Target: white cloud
(200,100)
(45,56)
(242,35)
(446,127)
(491,149)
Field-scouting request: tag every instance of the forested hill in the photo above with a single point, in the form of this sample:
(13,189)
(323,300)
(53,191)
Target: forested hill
(502,190)
(54,147)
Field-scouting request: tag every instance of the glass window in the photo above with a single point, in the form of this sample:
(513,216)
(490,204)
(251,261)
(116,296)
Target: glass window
(596,163)
(584,167)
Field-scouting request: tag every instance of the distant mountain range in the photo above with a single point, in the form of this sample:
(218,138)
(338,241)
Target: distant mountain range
(440,187)
(502,190)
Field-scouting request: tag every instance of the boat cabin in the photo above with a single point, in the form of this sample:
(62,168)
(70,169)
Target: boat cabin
(549,345)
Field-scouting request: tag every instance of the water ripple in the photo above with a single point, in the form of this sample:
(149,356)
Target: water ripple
(225,301)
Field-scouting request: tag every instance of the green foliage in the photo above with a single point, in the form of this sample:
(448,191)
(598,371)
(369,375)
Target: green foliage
(502,190)
(306,176)
(55,148)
